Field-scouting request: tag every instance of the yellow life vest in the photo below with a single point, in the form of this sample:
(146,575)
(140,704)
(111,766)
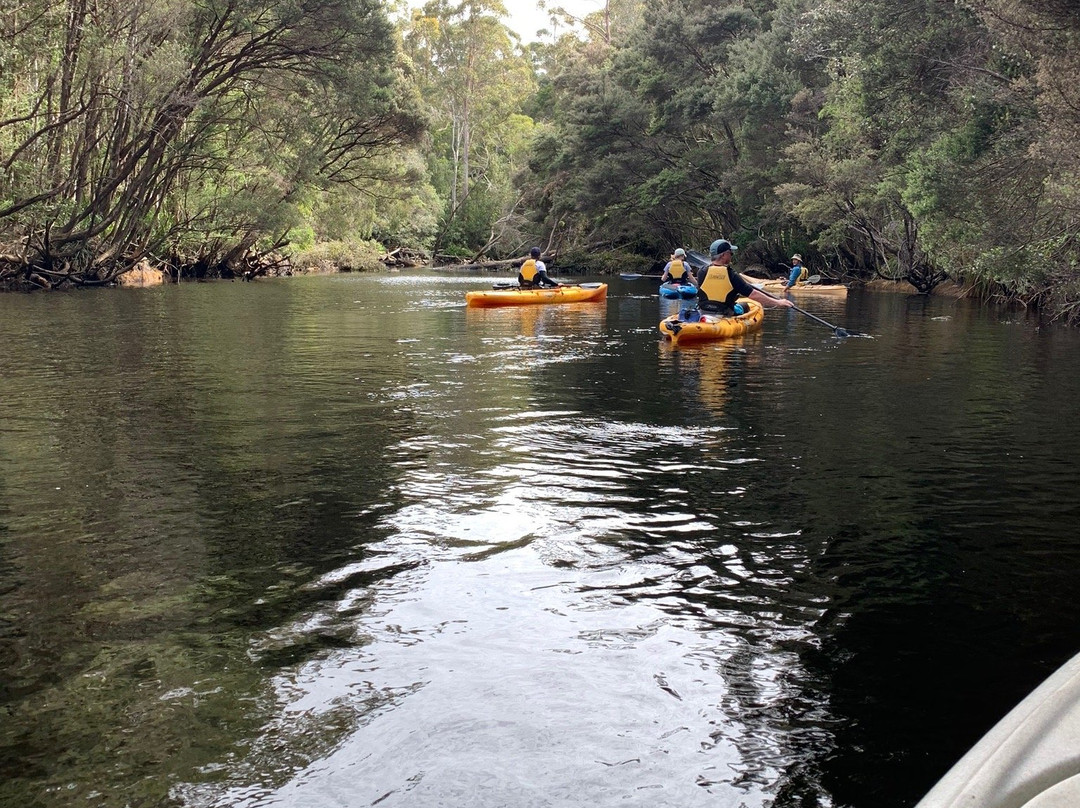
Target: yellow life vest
(528,270)
(717,288)
(803,275)
(677,271)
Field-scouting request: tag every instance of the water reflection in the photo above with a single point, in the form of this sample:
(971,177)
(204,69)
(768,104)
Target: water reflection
(554,321)
(708,369)
(345,541)
(573,538)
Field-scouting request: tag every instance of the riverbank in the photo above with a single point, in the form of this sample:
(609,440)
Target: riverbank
(946,289)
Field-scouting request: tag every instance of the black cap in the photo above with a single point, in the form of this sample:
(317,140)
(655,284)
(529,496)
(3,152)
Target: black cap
(721,246)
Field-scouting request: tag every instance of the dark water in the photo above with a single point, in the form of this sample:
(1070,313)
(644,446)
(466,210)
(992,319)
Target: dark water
(342,542)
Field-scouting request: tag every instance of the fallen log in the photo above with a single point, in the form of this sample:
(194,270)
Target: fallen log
(505,263)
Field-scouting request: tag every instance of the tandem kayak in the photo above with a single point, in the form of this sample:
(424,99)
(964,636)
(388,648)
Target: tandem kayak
(777,288)
(580,293)
(683,290)
(712,326)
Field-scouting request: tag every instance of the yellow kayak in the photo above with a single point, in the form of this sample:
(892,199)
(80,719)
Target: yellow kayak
(580,293)
(712,326)
(778,288)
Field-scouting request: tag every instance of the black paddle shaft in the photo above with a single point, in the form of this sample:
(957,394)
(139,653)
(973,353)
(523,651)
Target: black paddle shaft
(840,332)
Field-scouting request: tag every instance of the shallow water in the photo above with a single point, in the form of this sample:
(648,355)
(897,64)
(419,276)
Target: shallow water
(341,541)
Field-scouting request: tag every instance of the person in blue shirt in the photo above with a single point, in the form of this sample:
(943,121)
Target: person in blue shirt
(798,271)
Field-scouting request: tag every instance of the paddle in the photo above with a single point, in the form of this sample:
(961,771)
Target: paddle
(633,276)
(697,260)
(840,332)
(512,285)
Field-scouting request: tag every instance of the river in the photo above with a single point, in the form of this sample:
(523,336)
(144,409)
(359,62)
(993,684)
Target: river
(340,541)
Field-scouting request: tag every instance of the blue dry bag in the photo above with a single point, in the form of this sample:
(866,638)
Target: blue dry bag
(690,315)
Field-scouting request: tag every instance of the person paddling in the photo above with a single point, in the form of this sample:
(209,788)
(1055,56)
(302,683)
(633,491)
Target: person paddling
(798,271)
(675,270)
(719,286)
(533,272)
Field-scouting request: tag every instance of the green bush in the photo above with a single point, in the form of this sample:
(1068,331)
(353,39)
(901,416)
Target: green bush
(339,256)
(604,263)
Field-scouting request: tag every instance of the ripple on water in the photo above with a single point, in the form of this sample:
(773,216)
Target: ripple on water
(344,541)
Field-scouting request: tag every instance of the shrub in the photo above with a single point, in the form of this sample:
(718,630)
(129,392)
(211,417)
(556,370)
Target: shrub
(338,256)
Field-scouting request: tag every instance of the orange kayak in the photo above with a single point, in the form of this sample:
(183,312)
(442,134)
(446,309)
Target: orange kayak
(580,293)
(778,288)
(713,326)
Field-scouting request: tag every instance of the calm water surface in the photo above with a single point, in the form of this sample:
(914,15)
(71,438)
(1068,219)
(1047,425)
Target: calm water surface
(343,542)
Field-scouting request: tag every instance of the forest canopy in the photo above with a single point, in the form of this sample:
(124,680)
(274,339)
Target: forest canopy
(913,140)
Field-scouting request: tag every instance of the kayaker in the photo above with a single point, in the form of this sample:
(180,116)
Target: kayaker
(676,271)
(798,271)
(719,286)
(533,272)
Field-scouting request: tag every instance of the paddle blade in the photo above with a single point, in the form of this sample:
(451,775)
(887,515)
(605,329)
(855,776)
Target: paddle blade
(697,260)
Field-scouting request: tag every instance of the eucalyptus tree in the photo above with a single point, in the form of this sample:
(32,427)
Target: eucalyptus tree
(129,128)
(473,79)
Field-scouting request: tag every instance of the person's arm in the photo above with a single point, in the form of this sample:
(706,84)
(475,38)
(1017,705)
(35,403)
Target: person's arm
(746,289)
(542,276)
(793,278)
(768,300)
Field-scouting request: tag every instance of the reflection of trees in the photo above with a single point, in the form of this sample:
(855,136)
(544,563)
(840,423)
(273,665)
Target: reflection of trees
(249,494)
(183,514)
(748,594)
(725,565)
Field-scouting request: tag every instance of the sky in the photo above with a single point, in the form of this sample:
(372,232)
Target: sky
(527,19)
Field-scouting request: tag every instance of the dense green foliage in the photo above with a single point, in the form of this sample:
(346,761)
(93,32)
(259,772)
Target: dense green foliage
(196,133)
(907,139)
(916,140)
(474,81)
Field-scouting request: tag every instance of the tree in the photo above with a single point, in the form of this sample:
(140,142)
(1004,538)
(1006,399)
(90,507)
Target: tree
(1035,259)
(473,78)
(130,128)
(905,178)
(670,124)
